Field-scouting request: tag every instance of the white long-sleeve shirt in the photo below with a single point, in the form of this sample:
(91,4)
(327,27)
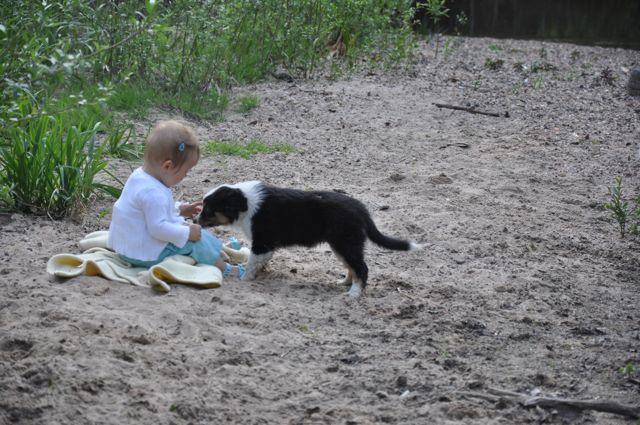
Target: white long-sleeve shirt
(144,219)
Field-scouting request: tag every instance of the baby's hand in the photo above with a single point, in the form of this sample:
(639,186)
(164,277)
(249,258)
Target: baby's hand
(190,210)
(195,232)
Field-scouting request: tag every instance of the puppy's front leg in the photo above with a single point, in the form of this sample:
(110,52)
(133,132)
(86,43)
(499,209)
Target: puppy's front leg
(256,263)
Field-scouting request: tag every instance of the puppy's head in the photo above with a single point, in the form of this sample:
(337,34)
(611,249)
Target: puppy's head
(223,205)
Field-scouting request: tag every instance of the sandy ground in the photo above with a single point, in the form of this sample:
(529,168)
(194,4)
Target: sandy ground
(524,283)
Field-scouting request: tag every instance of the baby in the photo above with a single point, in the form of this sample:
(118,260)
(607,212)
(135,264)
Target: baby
(147,226)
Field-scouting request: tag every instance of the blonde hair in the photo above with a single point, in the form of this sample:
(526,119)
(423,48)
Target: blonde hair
(171,140)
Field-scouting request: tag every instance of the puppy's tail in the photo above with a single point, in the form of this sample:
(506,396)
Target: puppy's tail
(386,241)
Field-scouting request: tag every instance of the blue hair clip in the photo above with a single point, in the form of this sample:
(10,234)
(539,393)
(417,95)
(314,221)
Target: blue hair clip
(181,147)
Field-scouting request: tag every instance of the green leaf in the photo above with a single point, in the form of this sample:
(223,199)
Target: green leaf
(150,5)
(108,189)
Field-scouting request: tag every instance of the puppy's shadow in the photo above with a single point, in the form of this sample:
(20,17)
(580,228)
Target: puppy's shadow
(295,284)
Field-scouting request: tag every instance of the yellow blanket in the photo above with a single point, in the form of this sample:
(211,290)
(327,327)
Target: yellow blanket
(97,260)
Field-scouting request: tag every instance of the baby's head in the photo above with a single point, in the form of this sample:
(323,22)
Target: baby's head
(170,152)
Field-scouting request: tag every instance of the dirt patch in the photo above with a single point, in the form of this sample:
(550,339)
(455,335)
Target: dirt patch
(524,284)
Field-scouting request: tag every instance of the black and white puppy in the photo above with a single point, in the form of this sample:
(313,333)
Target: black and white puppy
(273,217)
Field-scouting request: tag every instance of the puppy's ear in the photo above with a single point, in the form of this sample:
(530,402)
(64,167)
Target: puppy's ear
(233,199)
(237,200)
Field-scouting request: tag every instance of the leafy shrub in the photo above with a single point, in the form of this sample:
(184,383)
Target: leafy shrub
(197,46)
(218,42)
(48,166)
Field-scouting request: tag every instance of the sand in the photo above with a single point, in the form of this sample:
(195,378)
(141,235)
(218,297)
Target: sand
(524,283)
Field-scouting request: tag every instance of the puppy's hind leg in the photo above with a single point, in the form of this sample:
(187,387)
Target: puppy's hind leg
(348,279)
(255,264)
(359,282)
(353,257)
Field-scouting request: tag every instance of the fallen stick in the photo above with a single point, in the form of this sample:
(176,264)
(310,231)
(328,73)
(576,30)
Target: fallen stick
(472,110)
(601,406)
(550,402)
(483,396)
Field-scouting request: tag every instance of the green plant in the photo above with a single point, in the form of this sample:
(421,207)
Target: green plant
(446,47)
(49,46)
(186,49)
(542,53)
(629,369)
(6,202)
(134,99)
(304,329)
(119,144)
(211,43)
(542,67)
(437,10)
(621,212)
(248,103)
(50,166)
(493,64)
(246,151)
(538,82)
(102,214)
(634,229)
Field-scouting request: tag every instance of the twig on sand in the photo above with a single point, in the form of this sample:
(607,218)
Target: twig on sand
(550,402)
(483,396)
(471,110)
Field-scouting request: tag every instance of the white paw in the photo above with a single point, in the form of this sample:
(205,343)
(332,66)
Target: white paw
(415,247)
(248,276)
(355,291)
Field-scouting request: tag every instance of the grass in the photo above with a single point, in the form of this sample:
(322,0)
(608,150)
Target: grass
(538,82)
(493,64)
(248,103)
(120,143)
(247,150)
(134,99)
(207,106)
(137,99)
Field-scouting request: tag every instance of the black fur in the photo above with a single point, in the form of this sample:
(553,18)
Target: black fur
(287,217)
